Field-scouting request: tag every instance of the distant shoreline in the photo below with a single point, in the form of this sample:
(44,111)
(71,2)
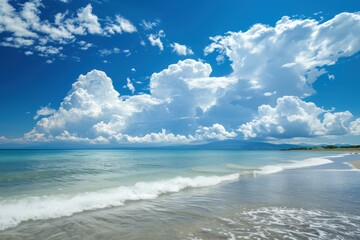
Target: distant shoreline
(330,148)
(350,150)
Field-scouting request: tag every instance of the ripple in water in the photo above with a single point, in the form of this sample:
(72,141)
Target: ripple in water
(283,223)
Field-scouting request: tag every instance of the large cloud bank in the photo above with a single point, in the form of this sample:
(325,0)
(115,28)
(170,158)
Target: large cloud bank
(263,98)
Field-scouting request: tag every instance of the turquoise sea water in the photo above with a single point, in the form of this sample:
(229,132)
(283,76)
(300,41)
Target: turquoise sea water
(158,194)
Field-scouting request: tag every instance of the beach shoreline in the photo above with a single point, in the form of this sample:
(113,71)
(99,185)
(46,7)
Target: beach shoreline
(342,150)
(232,208)
(355,164)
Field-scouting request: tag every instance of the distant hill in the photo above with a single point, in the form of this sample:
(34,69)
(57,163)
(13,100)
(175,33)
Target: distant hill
(235,145)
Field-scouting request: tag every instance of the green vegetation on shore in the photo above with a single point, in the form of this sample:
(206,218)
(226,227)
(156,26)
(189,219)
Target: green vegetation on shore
(349,148)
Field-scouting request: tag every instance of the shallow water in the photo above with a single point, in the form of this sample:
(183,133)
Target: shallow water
(112,194)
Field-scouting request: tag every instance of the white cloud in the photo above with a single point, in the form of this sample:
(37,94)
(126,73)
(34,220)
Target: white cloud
(17,42)
(148,25)
(125,25)
(127,52)
(331,76)
(30,13)
(68,137)
(84,45)
(262,98)
(3,139)
(160,137)
(91,105)
(262,57)
(105,52)
(337,123)
(268,94)
(267,57)
(181,50)
(220,59)
(188,81)
(93,109)
(130,86)
(48,50)
(215,132)
(355,127)
(11,21)
(89,20)
(155,39)
(122,25)
(29,31)
(186,92)
(44,111)
(292,117)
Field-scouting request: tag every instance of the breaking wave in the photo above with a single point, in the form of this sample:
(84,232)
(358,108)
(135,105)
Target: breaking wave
(13,212)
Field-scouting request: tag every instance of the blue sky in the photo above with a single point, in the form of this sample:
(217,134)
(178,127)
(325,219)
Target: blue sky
(154,72)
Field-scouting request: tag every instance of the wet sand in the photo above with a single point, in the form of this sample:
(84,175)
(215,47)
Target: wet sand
(355,164)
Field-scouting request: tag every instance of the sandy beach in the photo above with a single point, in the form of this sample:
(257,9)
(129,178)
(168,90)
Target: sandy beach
(355,164)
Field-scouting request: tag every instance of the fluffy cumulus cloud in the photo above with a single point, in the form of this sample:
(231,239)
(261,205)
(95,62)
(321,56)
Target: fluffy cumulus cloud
(189,91)
(91,109)
(269,62)
(355,127)
(293,117)
(263,98)
(160,137)
(94,111)
(27,30)
(180,49)
(88,21)
(289,57)
(216,131)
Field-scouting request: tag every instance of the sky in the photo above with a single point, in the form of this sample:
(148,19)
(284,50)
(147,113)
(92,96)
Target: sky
(114,73)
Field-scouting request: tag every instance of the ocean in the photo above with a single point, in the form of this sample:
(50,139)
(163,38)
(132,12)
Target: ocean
(178,194)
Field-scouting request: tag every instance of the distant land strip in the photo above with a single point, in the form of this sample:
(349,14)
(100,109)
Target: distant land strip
(330,148)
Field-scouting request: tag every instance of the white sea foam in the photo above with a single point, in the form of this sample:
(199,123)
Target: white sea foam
(13,212)
(353,169)
(340,155)
(240,167)
(310,162)
(282,223)
(269,169)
